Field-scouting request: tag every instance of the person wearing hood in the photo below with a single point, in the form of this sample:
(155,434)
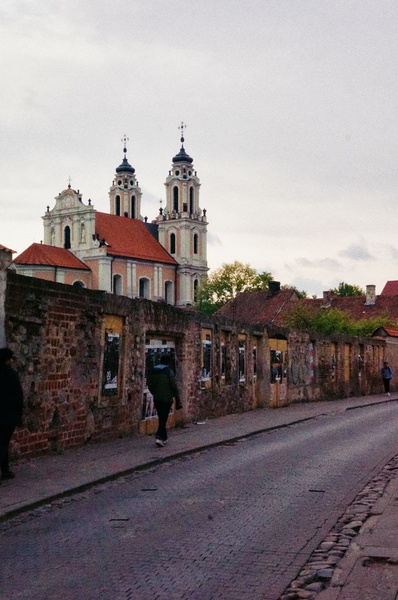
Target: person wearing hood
(11,406)
(163,387)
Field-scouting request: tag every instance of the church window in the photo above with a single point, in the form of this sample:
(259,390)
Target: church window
(117,285)
(195,290)
(195,243)
(117,205)
(175,198)
(131,182)
(144,287)
(172,243)
(191,200)
(133,215)
(67,237)
(168,292)
(119,182)
(78,284)
(177,172)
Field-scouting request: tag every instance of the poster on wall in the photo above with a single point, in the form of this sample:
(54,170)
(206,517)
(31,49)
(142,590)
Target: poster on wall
(111,363)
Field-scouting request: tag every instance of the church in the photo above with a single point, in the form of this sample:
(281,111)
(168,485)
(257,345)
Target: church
(120,252)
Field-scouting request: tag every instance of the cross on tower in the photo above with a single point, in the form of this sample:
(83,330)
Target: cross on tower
(182,127)
(125,139)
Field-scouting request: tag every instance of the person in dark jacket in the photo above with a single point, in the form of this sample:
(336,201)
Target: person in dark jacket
(11,406)
(386,375)
(163,387)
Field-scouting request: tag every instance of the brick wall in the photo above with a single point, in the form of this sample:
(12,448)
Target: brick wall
(58,334)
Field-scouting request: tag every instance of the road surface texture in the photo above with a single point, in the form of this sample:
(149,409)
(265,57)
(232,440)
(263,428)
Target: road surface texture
(236,522)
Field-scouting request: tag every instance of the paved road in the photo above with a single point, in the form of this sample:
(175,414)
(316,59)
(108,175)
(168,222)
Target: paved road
(234,522)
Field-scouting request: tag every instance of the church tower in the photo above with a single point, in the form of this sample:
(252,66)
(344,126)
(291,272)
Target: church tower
(125,194)
(182,226)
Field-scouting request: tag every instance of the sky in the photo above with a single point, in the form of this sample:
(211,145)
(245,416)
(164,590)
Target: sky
(291,118)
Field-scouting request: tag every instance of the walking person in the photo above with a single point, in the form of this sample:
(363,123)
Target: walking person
(11,405)
(386,374)
(163,387)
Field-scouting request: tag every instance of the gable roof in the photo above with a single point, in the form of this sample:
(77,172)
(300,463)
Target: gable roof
(129,238)
(390,289)
(385,332)
(6,249)
(42,254)
(260,306)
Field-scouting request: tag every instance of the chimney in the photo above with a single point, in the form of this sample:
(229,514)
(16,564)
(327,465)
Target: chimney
(274,287)
(370,295)
(327,298)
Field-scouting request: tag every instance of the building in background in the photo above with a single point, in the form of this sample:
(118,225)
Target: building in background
(120,252)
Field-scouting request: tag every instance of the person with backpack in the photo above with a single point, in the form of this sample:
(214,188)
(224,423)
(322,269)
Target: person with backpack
(163,387)
(386,375)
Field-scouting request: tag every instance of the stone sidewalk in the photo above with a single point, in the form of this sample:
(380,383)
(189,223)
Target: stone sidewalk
(369,570)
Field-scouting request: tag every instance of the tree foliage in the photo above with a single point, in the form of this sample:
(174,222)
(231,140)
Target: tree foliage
(346,289)
(225,283)
(332,320)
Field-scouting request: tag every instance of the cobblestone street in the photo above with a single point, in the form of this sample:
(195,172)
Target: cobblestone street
(234,522)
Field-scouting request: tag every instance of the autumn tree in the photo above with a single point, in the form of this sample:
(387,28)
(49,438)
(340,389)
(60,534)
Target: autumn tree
(225,283)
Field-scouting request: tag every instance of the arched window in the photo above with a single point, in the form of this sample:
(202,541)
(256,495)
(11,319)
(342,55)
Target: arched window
(67,237)
(175,198)
(133,208)
(144,287)
(195,289)
(117,285)
(191,200)
(195,243)
(117,205)
(172,243)
(78,284)
(168,292)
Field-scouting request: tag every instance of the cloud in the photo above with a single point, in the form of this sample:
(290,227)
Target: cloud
(320,263)
(356,252)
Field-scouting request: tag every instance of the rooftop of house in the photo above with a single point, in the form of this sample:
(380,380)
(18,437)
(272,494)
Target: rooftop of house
(129,238)
(42,254)
(390,289)
(273,306)
(263,306)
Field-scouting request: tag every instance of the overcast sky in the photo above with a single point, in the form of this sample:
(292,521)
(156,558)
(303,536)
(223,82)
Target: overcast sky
(291,111)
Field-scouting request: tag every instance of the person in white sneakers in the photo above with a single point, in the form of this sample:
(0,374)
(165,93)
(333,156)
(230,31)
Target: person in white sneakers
(386,375)
(163,387)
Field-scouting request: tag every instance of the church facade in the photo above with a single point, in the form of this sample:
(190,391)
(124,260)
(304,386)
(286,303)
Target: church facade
(120,252)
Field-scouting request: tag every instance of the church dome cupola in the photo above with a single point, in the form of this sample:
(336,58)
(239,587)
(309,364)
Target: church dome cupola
(125,167)
(182,156)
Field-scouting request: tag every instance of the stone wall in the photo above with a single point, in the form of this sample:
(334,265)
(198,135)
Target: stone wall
(58,335)
(62,337)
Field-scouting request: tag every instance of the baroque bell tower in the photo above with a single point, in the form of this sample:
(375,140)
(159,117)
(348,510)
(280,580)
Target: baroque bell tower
(125,193)
(182,226)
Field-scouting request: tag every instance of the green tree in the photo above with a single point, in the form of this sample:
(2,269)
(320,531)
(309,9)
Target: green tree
(225,283)
(346,289)
(332,320)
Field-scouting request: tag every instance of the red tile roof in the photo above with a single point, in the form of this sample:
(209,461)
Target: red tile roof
(41,254)
(6,249)
(357,308)
(129,238)
(263,307)
(390,289)
(260,307)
